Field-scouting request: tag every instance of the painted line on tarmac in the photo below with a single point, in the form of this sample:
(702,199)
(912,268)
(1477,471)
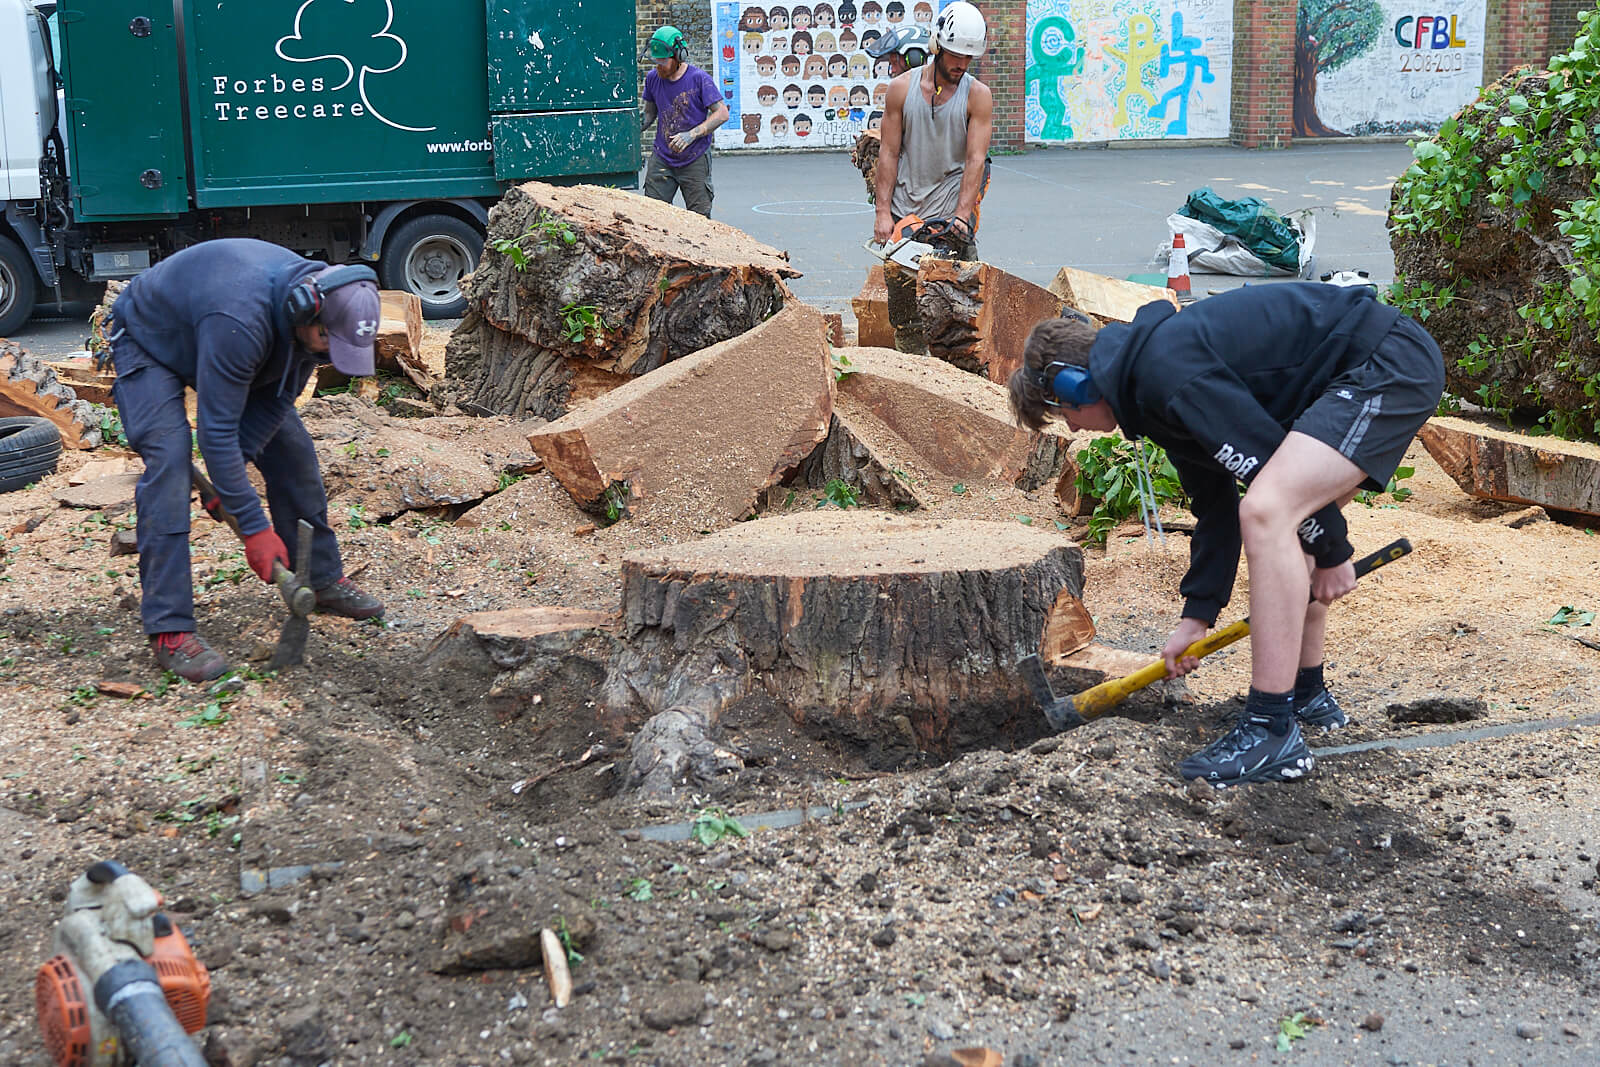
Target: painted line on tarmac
(1448,738)
(813,208)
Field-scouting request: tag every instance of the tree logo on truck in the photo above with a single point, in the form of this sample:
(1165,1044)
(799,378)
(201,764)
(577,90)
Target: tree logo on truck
(322,32)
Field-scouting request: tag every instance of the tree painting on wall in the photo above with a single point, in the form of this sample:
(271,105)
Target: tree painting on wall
(1328,34)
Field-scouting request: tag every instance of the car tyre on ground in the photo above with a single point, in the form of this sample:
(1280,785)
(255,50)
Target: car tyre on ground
(430,255)
(30,446)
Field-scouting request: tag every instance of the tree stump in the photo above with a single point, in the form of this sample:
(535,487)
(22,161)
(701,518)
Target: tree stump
(889,634)
(1495,464)
(595,286)
(28,387)
(976,316)
(1107,299)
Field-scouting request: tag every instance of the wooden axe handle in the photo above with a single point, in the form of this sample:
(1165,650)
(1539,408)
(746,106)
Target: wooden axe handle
(1094,702)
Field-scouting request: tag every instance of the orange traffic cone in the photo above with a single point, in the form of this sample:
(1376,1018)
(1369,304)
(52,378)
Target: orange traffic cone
(1178,268)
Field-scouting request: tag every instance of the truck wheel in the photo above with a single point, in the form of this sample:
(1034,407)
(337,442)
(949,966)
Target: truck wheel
(29,449)
(18,287)
(429,256)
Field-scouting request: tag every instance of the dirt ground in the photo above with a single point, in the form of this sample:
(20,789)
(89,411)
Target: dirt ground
(1028,901)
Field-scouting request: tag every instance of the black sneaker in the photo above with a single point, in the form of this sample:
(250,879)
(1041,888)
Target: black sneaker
(188,656)
(1250,752)
(345,598)
(1322,711)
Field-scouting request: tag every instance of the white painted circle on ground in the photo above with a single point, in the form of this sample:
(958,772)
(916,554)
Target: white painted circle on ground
(813,207)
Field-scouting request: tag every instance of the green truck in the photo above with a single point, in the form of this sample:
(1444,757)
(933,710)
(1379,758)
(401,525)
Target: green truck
(377,131)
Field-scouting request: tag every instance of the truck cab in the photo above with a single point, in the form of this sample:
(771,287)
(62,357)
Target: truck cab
(310,125)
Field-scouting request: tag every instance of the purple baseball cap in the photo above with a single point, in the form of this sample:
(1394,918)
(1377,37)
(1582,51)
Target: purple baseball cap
(350,314)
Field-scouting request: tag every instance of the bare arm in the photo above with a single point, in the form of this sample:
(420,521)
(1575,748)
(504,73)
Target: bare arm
(889,139)
(647,115)
(980,126)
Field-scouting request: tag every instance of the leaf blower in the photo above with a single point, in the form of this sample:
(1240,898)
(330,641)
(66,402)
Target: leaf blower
(123,986)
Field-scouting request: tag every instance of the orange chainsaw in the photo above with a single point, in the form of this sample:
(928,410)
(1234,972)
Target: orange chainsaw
(914,237)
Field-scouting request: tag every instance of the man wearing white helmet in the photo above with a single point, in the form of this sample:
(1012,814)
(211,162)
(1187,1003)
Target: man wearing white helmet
(933,161)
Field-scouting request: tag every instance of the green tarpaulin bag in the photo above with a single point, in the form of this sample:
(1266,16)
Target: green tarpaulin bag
(1250,222)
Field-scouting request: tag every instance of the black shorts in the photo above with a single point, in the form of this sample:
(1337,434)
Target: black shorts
(1370,413)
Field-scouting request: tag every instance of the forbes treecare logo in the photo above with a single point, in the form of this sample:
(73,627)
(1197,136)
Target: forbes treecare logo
(355,34)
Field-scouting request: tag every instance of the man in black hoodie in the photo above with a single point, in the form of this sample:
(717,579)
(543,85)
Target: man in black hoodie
(1304,393)
(243,323)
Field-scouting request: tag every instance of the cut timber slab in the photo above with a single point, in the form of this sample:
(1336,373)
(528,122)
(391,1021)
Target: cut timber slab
(28,387)
(699,439)
(976,316)
(606,285)
(892,634)
(867,456)
(871,307)
(1496,464)
(507,639)
(86,383)
(538,661)
(399,344)
(960,425)
(1107,299)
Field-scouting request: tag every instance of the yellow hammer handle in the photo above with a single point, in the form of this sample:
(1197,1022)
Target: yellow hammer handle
(1097,701)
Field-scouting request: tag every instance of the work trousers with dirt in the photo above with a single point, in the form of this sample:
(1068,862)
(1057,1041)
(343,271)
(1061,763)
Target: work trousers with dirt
(149,398)
(693,180)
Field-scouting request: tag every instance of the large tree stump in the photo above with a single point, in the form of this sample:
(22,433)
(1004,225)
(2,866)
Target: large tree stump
(960,425)
(1107,299)
(611,285)
(976,316)
(893,634)
(1495,464)
(28,387)
(699,439)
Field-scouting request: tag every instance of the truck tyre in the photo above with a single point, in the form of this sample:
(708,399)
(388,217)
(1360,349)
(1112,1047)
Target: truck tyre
(18,287)
(30,446)
(429,256)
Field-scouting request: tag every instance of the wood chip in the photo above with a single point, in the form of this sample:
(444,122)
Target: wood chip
(125,690)
(977,1057)
(555,967)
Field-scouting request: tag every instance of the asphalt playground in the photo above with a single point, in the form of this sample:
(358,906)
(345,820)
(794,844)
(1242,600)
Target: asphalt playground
(1098,209)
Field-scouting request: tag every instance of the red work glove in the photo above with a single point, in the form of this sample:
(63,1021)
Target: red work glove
(213,507)
(262,550)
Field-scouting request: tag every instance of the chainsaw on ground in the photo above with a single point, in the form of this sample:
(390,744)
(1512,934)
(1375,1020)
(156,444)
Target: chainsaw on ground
(123,986)
(914,237)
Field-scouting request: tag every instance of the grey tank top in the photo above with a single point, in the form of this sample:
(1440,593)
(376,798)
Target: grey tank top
(933,151)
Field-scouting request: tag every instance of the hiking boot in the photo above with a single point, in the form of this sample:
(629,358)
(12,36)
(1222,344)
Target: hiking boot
(1250,752)
(345,598)
(187,655)
(1322,711)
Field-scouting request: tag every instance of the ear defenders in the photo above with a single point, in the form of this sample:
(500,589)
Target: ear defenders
(304,302)
(1068,383)
(680,51)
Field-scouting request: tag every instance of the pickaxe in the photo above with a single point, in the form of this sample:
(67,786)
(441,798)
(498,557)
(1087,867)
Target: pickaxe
(295,586)
(1065,713)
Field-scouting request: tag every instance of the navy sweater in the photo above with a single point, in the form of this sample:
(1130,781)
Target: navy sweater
(1219,387)
(213,315)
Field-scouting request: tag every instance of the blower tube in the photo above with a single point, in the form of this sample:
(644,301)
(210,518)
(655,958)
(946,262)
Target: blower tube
(129,994)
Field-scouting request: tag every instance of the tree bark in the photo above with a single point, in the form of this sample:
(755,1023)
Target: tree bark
(1495,464)
(976,316)
(888,634)
(28,387)
(612,285)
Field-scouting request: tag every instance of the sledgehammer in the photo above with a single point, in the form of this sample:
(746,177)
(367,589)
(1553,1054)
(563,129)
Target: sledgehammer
(1064,713)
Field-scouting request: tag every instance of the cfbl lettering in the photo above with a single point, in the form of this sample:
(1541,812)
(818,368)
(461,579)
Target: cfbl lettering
(1431,31)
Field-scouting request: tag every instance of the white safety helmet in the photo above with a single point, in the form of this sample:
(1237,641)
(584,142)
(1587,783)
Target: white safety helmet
(960,28)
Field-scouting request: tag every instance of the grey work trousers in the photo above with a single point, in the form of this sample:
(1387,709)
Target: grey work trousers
(694,181)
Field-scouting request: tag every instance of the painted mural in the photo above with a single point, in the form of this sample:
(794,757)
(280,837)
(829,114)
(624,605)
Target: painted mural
(798,75)
(1367,67)
(1112,70)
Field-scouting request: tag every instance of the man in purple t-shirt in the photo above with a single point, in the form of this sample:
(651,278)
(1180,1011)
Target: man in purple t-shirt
(690,107)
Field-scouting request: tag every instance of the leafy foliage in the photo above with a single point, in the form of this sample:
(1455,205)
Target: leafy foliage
(578,321)
(1294,1028)
(711,826)
(1394,489)
(1107,473)
(546,231)
(839,493)
(1502,152)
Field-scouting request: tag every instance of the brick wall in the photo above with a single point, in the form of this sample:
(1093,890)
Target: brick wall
(1564,22)
(1263,75)
(1517,32)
